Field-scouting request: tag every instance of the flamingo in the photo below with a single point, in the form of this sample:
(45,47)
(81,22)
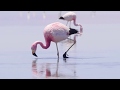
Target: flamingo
(44,16)
(55,32)
(71,16)
(93,13)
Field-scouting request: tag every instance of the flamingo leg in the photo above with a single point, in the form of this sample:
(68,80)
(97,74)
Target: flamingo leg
(44,16)
(57,51)
(70,39)
(60,14)
(64,55)
(70,25)
(66,23)
(28,15)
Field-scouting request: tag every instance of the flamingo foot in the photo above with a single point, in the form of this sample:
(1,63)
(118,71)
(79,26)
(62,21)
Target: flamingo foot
(64,55)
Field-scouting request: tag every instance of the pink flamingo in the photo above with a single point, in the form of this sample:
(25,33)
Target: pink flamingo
(71,16)
(55,32)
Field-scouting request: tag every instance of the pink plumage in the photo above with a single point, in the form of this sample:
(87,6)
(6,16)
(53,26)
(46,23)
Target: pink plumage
(71,16)
(54,32)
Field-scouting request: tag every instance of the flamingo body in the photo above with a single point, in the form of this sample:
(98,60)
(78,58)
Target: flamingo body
(69,16)
(56,32)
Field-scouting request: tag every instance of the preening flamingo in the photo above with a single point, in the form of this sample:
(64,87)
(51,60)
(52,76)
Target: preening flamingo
(55,32)
(71,16)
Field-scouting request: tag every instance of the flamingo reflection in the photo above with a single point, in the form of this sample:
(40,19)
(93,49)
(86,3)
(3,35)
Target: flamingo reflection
(43,70)
(46,71)
(40,71)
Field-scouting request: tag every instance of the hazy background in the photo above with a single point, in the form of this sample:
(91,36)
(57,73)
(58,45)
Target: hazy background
(16,18)
(17,31)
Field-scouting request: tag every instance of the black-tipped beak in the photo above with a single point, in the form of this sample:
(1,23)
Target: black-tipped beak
(61,18)
(34,54)
(73,31)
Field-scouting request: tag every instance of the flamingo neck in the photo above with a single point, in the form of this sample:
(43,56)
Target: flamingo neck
(74,21)
(42,45)
(81,29)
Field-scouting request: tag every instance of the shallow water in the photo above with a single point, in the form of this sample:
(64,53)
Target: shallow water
(95,55)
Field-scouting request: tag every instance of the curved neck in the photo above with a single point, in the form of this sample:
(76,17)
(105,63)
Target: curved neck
(42,45)
(74,21)
(81,29)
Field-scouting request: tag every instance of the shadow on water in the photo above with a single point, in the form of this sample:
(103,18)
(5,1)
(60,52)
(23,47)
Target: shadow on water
(86,57)
(51,71)
(72,58)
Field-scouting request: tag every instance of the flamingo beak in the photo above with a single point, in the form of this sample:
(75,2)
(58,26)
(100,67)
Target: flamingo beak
(61,18)
(34,54)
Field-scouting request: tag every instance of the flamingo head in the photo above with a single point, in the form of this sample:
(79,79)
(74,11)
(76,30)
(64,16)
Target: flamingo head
(33,48)
(61,18)
(73,31)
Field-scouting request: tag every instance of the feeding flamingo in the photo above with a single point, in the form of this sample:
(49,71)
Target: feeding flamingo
(71,16)
(55,32)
